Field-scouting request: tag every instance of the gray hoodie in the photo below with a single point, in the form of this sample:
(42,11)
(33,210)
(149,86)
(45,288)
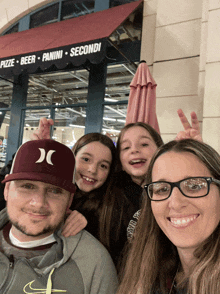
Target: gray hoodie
(77,265)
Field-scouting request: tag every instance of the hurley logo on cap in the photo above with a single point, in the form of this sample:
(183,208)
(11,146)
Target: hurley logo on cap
(47,161)
(47,156)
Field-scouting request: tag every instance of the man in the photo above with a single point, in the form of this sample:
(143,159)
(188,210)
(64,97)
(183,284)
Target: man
(34,256)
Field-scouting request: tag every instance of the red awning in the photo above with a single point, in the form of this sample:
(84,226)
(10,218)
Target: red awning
(72,41)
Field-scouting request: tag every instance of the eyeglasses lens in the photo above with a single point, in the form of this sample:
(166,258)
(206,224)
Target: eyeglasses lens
(192,187)
(159,191)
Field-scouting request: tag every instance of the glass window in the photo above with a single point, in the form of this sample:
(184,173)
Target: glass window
(44,16)
(119,2)
(75,8)
(114,120)
(119,77)
(4,126)
(69,125)
(6,90)
(32,117)
(58,88)
(13,29)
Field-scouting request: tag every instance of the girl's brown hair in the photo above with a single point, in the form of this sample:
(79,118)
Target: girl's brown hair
(94,202)
(115,200)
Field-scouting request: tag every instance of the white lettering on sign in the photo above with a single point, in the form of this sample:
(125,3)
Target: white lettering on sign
(86,49)
(52,55)
(7,63)
(28,59)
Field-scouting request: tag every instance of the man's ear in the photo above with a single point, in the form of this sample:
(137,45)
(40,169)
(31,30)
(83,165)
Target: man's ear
(6,190)
(70,200)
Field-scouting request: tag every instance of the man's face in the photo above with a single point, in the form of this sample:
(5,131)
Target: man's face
(35,209)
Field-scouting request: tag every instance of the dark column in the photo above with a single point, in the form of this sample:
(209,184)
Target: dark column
(2,112)
(96,94)
(96,88)
(19,98)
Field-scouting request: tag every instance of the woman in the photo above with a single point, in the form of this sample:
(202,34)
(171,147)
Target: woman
(176,243)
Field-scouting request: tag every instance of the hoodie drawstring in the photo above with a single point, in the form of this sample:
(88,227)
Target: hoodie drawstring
(49,282)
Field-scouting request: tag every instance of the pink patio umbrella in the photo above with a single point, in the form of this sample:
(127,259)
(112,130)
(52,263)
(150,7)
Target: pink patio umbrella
(142,98)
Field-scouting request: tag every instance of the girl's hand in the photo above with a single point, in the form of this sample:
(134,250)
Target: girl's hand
(74,223)
(190,131)
(43,130)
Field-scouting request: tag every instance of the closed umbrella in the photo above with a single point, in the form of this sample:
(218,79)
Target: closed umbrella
(142,98)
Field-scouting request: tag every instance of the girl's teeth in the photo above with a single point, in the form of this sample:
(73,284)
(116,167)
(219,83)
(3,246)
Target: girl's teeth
(88,179)
(137,161)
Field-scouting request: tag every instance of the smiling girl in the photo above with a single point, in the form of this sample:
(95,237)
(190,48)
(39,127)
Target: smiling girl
(136,145)
(95,161)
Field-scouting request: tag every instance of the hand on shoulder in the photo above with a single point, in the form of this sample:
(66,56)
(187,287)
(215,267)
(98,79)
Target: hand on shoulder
(74,224)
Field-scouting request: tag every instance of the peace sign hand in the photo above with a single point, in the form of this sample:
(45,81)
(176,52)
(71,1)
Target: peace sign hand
(190,131)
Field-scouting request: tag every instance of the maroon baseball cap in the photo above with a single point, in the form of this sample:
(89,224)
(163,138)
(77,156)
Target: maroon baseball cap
(46,161)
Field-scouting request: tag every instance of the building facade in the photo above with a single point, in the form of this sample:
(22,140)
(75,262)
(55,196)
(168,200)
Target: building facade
(180,42)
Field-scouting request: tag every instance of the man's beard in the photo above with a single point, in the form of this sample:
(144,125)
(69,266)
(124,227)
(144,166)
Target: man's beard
(27,231)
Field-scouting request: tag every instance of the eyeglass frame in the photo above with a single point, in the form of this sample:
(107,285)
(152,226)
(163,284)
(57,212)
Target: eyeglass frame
(209,180)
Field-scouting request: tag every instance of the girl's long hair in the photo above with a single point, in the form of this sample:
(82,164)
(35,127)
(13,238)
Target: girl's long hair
(96,196)
(115,200)
(153,260)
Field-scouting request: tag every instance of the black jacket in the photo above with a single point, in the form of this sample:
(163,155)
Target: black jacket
(4,171)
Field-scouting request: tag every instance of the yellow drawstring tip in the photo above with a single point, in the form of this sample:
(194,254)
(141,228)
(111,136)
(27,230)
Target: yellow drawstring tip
(49,283)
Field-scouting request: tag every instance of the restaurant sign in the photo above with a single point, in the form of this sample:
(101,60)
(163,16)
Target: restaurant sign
(61,57)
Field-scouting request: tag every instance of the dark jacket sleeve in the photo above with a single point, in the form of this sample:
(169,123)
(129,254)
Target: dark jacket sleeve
(4,171)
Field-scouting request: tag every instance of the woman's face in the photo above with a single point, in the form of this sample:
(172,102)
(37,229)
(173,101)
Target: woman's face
(187,222)
(93,162)
(137,148)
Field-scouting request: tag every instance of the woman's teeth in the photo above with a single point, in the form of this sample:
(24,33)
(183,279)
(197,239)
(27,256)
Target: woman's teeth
(183,221)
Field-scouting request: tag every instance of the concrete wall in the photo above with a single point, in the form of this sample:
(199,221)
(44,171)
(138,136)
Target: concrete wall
(172,46)
(181,43)
(12,10)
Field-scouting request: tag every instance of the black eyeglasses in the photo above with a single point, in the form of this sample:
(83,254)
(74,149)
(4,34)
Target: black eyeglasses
(194,187)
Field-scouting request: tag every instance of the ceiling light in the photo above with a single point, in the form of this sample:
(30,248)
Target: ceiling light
(121,120)
(108,118)
(77,126)
(111,130)
(111,100)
